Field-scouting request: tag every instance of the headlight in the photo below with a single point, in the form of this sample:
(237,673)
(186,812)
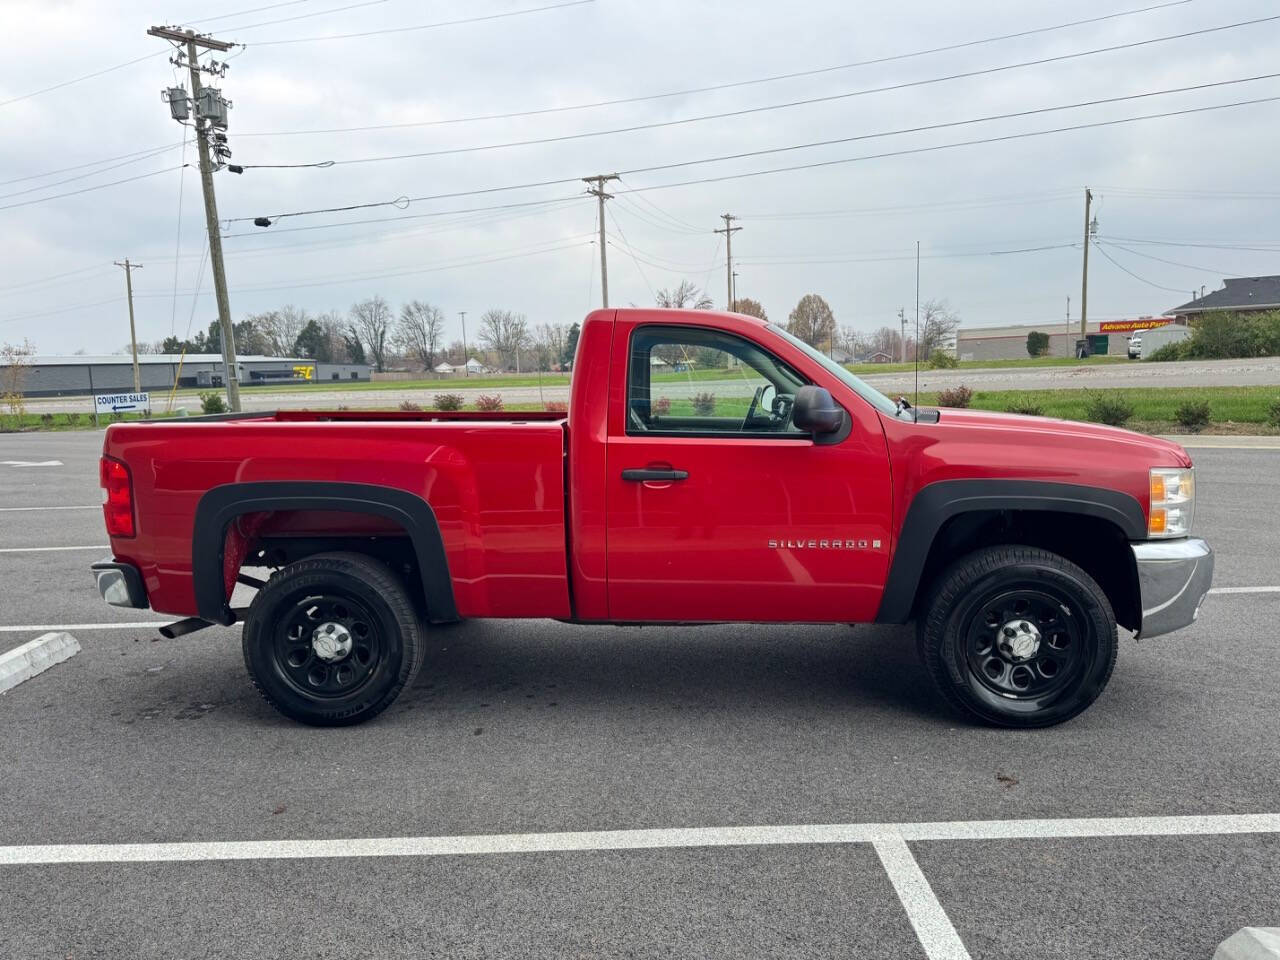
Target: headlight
(1173,501)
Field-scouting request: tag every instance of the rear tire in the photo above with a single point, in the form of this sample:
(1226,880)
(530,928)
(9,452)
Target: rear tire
(332,640)
(1018,637)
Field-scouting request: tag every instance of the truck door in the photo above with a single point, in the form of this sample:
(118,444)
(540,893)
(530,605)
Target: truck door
(718,508)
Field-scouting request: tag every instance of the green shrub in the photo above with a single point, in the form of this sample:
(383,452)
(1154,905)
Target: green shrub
(704,404)
(1273,413)
(1178,350)
(447,401)
(73,419)
(556,406)
(1026,406)
(960,396)
(211,402)
(941,360)
(1108,408)
(1193,414)
(46,420)
(1221,335)
(408,406)
(490,404)
(1037,343)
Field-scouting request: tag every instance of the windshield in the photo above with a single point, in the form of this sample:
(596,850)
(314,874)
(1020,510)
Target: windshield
(864,390)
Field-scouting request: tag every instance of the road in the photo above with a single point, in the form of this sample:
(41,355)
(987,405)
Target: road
(527,729)
(1200,373)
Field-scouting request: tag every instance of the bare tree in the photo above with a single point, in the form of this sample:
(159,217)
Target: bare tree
(419,331)
(686,294)
(938,326)
(885,340)
(14,361)
(371,325)
(752,308)
(505,333)
(812,321)
(549,341)
(279,329)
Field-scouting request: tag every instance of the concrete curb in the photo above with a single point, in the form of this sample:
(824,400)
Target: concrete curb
(1251,943)
(24,662)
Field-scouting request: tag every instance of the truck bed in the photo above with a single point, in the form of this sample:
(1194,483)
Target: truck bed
(494,481)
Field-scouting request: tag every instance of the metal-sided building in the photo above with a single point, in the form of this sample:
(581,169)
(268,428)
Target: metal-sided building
(81,376)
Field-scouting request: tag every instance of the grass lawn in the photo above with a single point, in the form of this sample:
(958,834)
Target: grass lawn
(1254,409)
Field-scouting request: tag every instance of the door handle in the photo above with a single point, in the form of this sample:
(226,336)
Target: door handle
(645,474)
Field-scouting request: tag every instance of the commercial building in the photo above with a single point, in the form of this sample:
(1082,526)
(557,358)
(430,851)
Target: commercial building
(81,376)
(1109,337)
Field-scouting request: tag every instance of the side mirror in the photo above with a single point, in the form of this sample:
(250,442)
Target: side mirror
(816,412)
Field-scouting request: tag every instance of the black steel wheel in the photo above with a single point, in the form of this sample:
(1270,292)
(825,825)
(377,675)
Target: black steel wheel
(332,640)
(1018,636)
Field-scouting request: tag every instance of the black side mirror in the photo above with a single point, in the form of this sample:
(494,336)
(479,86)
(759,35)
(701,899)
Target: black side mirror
(816,412)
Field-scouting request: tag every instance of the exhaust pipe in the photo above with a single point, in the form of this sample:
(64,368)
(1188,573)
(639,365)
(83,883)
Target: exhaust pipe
(171,631)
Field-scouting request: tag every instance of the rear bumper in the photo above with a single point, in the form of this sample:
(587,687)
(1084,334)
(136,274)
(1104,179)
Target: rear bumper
(120,584)
(1174,577)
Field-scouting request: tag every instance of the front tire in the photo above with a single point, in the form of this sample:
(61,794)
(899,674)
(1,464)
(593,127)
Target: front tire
(332,640)
(1018,637)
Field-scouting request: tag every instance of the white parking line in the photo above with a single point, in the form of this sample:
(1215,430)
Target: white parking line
(50,549)
(659,839)
(934,929)
(1245,590)
(36,627)
(95,506)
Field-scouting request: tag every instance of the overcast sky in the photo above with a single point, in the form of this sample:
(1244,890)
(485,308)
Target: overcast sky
(846,231)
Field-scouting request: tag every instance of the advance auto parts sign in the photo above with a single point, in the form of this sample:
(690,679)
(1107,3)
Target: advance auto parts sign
(1129,326)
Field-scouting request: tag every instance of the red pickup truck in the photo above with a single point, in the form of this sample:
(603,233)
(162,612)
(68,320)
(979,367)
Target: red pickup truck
(711,467)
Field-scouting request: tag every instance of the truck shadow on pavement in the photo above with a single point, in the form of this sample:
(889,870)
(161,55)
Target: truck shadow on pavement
(546,665)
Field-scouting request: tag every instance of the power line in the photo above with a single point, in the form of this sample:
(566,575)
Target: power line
(150,151)
(451,151)
(627,248)
(934,148)
(410,216)
(241,13)
(100,186)
(763,261)
(724,86)
(1207,246)
(429,26)
(1150,283)
(82,176)
(403,202)
(1175,263)
(67,83)
(302,16)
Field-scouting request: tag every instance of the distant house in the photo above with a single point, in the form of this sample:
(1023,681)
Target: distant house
(879,357)
(1238,295)
(446,368)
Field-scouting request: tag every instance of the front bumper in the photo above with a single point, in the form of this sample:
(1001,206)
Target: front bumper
(120,584)
(1174,577)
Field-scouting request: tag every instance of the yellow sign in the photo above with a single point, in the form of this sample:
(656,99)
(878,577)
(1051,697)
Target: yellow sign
(304,372)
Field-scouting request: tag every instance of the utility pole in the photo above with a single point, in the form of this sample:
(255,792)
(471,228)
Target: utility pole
(598,192)
(210,110)
(1068,325)
(133,330)
(1084,275)
(733,290)
(466,360)
(728,230)
(902,345)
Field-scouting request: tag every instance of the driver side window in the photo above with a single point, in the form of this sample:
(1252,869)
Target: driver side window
(695,381)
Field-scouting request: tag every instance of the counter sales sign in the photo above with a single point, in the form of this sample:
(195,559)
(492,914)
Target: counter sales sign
(121,402)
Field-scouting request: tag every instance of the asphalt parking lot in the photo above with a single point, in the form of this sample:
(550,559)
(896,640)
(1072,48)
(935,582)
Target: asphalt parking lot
(875,823)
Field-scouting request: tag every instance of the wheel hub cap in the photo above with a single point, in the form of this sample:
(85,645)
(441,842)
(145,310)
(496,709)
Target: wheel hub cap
(331,641)
(1019,640)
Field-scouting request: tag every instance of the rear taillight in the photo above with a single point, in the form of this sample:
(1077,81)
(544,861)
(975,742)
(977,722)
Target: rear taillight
(117,509)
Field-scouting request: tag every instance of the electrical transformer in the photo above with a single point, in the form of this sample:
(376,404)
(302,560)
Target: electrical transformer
(179,106)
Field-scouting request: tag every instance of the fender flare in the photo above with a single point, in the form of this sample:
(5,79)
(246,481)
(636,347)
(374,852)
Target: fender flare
(938,502)
(221,505)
